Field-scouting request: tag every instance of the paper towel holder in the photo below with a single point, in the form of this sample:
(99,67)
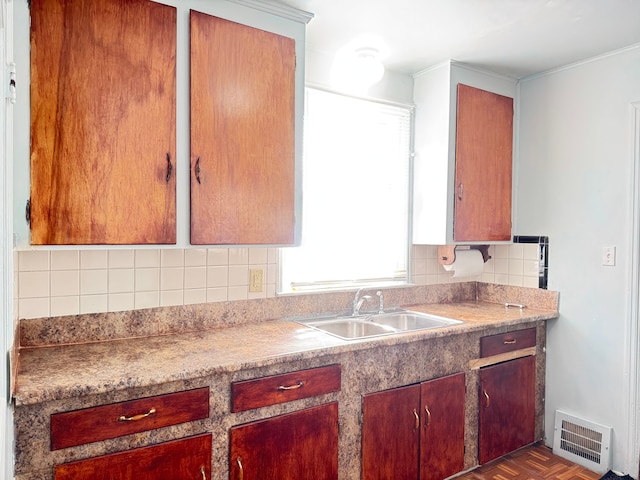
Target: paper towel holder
(447,253)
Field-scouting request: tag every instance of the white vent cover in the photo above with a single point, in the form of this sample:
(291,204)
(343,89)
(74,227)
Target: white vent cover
(582,442)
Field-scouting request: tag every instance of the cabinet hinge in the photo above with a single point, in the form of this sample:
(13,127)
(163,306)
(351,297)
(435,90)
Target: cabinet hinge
(11,82)
(27,212)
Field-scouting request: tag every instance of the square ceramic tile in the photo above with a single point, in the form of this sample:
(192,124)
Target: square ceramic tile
(530,282)
(217,294)
(420,251)
(172,258)
(516,250)
(515,280)
(195,277)
(501,279)
(33,260)
(531,268)
(238,275)
(238,256)
(501,251)
(93,259)
(195,296)
(65,306)
(122,258)
(217,276)
(501,266)
(147,299)
(147,279)
(65,283)
(238,293)
(271,291)
(65,260)
(272,255)
(171,297)
(121,302)
(258,256)
(121,280)
(433,267)
(195,257)
(147,258)
(33,284)
(93,282)
(172,279)
(272,274)
(93,303)
(33,307)
(218,256)
(254,295)
(420,266)
(516,267)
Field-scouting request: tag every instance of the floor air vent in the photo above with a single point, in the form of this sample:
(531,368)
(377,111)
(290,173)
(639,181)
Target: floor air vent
(582,442)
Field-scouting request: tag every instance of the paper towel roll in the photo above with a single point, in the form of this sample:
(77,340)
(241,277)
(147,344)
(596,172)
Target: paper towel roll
(468,263)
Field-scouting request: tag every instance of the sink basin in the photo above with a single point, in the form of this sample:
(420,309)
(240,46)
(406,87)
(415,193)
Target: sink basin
(350,328)
(408,320)
(353,328)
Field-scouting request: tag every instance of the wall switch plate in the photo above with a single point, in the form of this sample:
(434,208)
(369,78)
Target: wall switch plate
(255,279)
(609,256)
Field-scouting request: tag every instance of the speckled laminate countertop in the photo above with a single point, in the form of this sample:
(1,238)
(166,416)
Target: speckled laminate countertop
(48,373)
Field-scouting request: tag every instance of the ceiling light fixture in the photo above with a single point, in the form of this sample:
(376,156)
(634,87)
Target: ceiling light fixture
(356,67)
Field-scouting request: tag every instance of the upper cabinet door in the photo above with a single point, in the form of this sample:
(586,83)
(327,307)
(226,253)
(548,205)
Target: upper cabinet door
(484,137)
(103,94)
(242,134)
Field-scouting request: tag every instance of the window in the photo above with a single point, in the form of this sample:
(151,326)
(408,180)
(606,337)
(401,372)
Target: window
(355,219)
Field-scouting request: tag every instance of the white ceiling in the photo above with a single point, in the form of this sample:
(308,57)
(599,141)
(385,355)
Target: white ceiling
(512,37)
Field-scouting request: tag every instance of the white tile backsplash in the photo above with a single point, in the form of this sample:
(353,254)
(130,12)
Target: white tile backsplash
(55,283)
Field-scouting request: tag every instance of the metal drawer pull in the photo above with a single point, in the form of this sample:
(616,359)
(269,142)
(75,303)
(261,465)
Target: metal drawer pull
(486,396)
(519,305)
(241,473)
(135,418)
(169,167)
(426,409)
(197,170)
(291,387)
(510,342)
(415,414)
(202,472)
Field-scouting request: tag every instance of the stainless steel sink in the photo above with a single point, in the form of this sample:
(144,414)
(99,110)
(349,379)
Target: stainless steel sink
(353,328)
(408,320)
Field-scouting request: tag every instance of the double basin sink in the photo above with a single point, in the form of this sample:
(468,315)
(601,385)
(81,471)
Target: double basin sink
(389,323)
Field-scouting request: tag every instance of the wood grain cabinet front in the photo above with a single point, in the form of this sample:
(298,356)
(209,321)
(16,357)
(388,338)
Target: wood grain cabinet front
(185,459)
(242,133)
(94,424)
(285,387)
(302,444)
(103,122)
(415,432)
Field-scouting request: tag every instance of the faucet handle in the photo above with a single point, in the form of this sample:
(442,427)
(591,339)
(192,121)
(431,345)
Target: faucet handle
(381,301)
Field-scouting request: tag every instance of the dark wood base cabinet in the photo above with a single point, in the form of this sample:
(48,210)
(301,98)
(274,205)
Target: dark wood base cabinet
(507,407)
(298,445)
(186,459)
(415,431)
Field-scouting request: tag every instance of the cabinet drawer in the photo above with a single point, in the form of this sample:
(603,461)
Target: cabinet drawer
(186,459)
(261,392)
(110,421)
(507,342)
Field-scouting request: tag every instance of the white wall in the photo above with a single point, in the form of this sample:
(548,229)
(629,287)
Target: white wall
(575,185)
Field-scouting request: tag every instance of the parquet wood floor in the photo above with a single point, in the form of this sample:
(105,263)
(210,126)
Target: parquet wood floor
(535,462)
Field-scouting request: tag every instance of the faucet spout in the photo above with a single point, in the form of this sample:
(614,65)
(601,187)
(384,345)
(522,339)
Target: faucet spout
(358,301)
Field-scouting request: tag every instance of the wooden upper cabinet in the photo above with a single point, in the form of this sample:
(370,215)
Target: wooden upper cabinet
(484,138)
(242,134)
(103,133)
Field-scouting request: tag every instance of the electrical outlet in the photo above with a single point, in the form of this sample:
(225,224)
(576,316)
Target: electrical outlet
(609,256)
(255,279)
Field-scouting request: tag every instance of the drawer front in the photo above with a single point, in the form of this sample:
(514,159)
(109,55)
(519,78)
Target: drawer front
(110,421)
(282,388)
(186,459)
(507,342)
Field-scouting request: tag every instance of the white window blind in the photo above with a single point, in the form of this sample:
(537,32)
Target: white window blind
(355,195)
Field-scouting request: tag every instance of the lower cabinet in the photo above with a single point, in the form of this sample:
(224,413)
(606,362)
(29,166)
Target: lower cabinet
(186,459)
(302,444)
(507,407)
(415,431)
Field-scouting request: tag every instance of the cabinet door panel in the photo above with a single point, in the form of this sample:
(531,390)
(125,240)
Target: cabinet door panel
(303,444)
(242,134)
(390,434)
(507,407)
(484,138)
(185,459)
(442,432)
(103,122)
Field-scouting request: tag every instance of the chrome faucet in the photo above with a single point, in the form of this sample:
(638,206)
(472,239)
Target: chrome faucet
(358,301)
